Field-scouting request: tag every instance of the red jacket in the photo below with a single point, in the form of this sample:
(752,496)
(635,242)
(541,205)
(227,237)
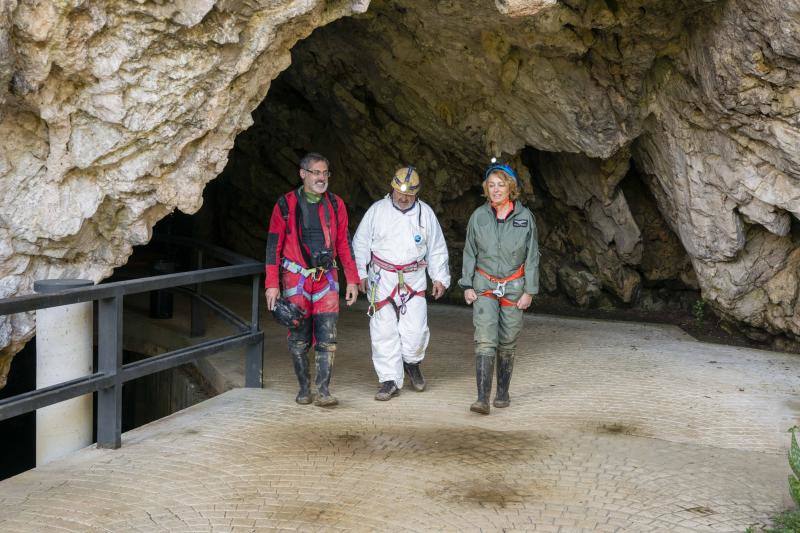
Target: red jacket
(286,243)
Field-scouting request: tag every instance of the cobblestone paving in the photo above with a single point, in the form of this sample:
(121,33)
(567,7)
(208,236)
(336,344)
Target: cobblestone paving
(613,427)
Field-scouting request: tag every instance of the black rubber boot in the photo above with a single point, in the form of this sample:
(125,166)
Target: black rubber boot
(324,362)
(415,376)
(484,368)
(303,372)
(387,391)
(505,367)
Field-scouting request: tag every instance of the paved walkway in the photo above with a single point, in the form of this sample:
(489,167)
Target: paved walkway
(613,427)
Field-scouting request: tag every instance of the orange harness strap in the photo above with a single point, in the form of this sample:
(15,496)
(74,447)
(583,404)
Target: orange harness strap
(504,302)
(499,292)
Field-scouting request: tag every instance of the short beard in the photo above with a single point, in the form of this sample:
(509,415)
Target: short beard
(404,210)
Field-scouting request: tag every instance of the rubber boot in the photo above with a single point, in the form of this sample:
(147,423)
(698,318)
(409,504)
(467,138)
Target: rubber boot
(303,372)
(505,367)
(415,376)
(484,368)
(324,362)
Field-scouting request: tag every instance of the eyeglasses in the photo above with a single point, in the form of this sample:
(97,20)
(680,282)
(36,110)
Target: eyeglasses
(318,173)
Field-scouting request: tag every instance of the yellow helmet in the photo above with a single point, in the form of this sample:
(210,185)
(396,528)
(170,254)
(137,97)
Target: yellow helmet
(406,180)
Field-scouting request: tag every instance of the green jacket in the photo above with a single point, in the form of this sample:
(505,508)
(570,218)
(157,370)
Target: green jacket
(499,248)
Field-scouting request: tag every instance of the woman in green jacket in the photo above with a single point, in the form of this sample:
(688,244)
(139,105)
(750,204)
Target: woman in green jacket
(499,277)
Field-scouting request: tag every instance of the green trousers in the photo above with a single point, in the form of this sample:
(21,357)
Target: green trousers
(497,327)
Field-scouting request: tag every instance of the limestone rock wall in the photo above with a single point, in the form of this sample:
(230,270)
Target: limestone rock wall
(698,97)
(113,113)
(722,149)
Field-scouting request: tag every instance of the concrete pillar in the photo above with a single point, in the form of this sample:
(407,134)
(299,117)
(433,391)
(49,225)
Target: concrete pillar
(63,353)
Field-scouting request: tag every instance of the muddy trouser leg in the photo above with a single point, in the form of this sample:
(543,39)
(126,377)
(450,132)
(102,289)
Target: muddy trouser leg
(300,338)
(325,337)
(299,343)
(485,317)
(509,329)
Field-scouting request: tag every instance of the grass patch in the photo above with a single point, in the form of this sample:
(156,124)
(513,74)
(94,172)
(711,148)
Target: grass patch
(786,522)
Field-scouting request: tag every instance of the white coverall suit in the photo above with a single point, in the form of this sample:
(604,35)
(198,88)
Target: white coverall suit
(399,238)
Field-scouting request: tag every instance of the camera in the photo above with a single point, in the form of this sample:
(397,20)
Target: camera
(323,259)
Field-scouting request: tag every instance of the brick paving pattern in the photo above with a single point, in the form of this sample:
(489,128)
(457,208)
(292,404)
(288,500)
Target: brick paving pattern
(613,427)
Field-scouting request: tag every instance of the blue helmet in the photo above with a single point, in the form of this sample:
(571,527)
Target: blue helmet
(503,167)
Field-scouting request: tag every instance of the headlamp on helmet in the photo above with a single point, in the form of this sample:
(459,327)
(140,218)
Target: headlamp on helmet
(502,167)
(406,180)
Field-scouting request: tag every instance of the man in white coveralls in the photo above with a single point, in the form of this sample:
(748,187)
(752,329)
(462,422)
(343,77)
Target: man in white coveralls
(397,240)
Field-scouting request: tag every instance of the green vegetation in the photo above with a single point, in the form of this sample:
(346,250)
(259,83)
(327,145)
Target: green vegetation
(789,521)
(786,522)
(699,310)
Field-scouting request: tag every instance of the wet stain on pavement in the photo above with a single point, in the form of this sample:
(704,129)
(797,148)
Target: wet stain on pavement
(347,437)
(491,492)
(794,405)
(701,510)
(472,446)
(617,428)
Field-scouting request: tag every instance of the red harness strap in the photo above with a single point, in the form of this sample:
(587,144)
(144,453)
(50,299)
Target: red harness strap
(500,291)
(407,291)
(410,293)
(408,267)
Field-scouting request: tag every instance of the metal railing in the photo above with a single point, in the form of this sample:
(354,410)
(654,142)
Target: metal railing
(111,373)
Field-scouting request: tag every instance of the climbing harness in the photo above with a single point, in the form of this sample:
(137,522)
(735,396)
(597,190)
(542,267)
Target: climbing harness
(315,274)
(402,290)
(499,292)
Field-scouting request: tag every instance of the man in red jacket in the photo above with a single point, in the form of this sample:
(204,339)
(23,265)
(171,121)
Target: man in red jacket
(307,235)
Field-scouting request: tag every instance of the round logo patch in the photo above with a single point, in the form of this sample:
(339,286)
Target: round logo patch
(417,239)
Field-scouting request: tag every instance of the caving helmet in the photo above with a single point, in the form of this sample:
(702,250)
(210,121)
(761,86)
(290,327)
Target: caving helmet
(503,167)
(406,180)
(288,314)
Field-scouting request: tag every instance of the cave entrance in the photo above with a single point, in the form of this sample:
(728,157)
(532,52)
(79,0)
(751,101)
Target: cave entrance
(446,85)
(369,93)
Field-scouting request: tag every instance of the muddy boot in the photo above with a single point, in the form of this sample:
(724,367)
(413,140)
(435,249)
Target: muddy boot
(324,362)
(484,368)
(387,391)
(415,376)
(505,367)
(301,369)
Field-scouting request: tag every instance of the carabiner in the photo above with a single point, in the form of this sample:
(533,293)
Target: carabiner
(500,290)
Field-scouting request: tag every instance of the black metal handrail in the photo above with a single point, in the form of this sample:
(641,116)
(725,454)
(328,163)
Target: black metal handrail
(111,373)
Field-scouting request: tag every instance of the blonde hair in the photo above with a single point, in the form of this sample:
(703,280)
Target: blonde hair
(513,190)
